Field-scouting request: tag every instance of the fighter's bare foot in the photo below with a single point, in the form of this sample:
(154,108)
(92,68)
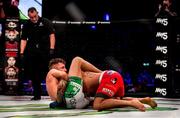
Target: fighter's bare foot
(149,101)
(137,104)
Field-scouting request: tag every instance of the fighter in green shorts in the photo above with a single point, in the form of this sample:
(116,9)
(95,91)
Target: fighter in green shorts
(70,94)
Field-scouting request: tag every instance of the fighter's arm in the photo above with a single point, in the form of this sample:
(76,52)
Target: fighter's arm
(52,82)
(23,46)
(51,32)
(58,74)
(24,37)
(52,41)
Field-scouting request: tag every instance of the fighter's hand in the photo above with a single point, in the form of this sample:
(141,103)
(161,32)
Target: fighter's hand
(61,89)
(62,86)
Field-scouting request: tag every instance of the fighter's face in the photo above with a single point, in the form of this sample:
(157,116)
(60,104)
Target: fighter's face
(11,61)
(60,66)
(166,3)
(11,35)
(33,16)
(11,72)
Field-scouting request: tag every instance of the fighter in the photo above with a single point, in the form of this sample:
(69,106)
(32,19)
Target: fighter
(84,80)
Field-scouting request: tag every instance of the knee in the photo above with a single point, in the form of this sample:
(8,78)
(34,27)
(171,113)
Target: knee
(77,60)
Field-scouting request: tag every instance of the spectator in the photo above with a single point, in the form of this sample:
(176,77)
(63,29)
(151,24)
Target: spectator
(165,9)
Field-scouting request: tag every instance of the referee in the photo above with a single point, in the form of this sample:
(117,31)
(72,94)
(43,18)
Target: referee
(36,47)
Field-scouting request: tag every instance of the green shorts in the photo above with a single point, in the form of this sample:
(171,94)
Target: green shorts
(74,96)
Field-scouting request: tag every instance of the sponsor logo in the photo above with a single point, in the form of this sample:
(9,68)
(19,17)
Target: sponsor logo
(162,91)
(162,63)
(163,35)
(114,80)
(162,77)
(162,49)
(163,21)
(41,24)
(73,102)
(108,91)
(75,85)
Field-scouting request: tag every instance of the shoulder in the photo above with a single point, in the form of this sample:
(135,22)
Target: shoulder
(45,20)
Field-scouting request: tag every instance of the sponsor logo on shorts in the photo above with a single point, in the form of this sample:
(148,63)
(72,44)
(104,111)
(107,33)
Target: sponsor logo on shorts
(108,91)
(114,80)
(73,102)
(75,85)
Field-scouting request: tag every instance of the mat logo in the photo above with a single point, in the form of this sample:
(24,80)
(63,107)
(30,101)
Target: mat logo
(163,21)
(162,91)
(162,77)
(163,35)
(162,49)
(162,63)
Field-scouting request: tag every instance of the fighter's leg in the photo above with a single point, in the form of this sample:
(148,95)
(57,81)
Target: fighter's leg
(149,101)
(101,103)
(79,65)
(146,100)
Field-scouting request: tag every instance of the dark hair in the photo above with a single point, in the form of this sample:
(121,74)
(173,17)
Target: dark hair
(14,68)
(56,61)
(32,9)
(11,67)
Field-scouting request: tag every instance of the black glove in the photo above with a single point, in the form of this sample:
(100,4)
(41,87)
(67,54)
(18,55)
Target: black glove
(51,53)
(21,57)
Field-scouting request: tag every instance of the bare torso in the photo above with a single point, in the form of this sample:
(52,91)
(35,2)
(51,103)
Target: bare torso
(90,82)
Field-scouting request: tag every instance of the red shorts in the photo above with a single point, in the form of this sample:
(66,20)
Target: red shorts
(111,85)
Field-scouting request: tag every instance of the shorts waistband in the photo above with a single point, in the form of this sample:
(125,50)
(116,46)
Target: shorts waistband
(100,78)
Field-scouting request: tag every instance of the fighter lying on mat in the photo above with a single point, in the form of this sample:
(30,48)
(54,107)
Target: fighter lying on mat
(84,80)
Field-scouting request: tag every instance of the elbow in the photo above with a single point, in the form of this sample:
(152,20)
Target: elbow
(97,106)
(77,61)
